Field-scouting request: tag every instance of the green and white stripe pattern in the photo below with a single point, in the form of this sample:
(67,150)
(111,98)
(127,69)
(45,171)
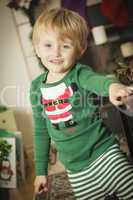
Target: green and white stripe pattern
(110,173)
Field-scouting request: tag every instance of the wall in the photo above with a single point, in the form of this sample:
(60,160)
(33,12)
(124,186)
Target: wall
(12,65)
(14,76)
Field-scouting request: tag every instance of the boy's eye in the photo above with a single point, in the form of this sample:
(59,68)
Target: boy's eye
(47,45)
(66,46)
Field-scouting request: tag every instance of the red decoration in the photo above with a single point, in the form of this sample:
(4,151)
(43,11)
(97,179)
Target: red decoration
(116,12)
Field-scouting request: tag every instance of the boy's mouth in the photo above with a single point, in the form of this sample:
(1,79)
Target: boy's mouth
(56,61)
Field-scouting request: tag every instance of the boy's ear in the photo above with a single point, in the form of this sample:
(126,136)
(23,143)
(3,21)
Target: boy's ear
(82,51)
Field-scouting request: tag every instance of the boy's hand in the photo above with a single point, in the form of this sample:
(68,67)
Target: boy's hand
(41,184)
(118,93)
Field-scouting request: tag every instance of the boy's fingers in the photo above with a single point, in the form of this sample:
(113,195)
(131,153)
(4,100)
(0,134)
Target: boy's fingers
(130,89)
(36,189)
(40,189)
(46,189)
(122,99)
(117,102)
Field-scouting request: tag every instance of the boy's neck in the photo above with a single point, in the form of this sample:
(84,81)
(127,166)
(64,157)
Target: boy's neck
(54,77)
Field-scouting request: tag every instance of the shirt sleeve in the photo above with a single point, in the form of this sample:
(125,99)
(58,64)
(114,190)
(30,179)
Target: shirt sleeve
(92,81)
(40,136)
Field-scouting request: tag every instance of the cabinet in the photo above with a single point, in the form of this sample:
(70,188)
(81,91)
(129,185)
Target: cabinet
(128,127)
(121,125)
(4,194)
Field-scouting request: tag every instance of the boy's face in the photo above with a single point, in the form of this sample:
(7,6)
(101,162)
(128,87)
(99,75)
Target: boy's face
(57,55)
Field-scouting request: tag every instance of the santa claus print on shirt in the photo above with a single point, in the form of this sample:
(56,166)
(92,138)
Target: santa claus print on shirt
(57,105)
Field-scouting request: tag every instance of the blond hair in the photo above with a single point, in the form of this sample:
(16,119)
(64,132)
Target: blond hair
(68,23)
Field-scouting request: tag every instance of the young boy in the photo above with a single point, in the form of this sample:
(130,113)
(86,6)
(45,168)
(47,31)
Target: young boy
(65,110)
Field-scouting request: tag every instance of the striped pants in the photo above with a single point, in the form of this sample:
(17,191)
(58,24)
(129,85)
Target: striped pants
(111,173)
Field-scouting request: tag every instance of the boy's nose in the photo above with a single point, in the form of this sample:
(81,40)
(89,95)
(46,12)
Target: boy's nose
(57,51)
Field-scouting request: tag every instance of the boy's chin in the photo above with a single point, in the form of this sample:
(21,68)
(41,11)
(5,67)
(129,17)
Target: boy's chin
(59,71)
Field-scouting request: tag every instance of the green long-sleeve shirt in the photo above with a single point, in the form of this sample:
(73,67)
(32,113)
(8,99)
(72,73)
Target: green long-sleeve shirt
(67,112)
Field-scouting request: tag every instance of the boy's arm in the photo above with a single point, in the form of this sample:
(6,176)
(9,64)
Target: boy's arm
(104,85)
(40,136)
(92,81)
